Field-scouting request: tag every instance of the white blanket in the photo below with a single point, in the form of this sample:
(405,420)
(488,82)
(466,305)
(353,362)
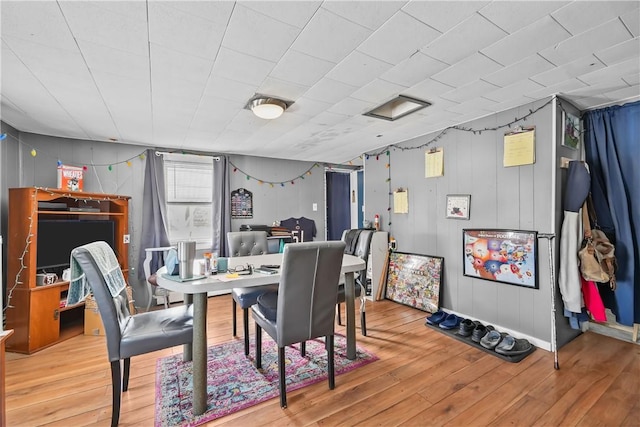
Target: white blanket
(108,265)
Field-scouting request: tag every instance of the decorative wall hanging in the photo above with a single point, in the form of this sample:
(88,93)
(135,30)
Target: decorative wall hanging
(507,256)
(415,280)
(571,133)
(241,203)
(458,206)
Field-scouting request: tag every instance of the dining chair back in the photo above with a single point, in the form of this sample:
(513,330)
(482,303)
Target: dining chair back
(154,259)
(129,334)
(304,306)
(246,243)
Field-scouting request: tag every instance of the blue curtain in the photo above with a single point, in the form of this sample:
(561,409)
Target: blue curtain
(612,145)
(338,204)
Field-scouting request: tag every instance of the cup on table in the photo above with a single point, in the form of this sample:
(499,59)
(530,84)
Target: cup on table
(186,256)
(223,264)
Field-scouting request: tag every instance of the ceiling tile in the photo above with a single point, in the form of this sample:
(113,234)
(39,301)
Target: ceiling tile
(527,41)
(358,69)
(172,66)
(330,91)
(632,21)
(529,66)
(615,71)
(560,88)
(440,14)
(351,106)
(514,90)
(258,35)
(114,61)
(428,89)
(296,13)
(38,56)
(240,67)
(620,52)
(378,91)
(413,70)
(330,37)
(458,74)
(368,14)
(469,36)
(576,18)
(90,22)
(611,33)
(398,38)
(185,32)
(309,107)
(282,89)
(473,106)
(298,67)
(514,15)
(568,71)
(226,89)
(469,91)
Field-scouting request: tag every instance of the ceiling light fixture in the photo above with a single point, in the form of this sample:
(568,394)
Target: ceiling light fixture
(398,107)
(267,107)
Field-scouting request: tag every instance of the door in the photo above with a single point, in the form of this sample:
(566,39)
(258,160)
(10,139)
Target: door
(338,190)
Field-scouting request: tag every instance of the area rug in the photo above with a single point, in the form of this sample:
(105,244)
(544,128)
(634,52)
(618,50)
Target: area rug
(234,383)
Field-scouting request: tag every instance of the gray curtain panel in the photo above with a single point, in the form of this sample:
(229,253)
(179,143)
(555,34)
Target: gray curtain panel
(221,206)
(154,231)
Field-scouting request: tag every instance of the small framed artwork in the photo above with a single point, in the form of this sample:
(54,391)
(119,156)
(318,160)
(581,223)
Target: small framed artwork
(415,280)
(571,133)
(506,256)
(458,206)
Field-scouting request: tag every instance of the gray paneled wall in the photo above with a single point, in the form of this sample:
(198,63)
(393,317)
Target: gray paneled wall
(522,197)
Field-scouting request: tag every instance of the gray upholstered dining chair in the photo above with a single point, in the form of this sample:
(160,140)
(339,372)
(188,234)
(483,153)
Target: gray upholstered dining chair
(129,335)
(304,306)
(246,243)
(360,248)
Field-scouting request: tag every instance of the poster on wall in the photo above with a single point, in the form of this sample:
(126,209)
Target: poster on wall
(506,256)
(241,203)
(571,133)
(414,280)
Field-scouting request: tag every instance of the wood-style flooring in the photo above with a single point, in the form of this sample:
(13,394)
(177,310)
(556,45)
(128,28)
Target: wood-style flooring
(423,378)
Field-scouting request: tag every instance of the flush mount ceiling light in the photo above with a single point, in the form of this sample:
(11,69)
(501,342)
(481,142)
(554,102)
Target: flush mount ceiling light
(267,107)
(398,107)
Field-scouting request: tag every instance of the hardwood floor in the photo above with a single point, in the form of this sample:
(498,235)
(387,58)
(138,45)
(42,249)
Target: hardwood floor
(422,378)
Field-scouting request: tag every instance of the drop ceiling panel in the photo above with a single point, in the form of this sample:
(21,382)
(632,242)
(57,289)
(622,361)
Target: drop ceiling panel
(37,22)
(514,15)
(378,91)
(469,91)
(174,66)
(413,70)
(185,32)
(329,90)
(529,66)
(527,41)
(514,90)
(368,14)
(217,12)
(466,38)
(310,107)
(298,67)
(351,107)
(560,88)
(615,71)
(281,89)
(458,74)
(358,69)
(114,61)
(611,33)
(38,56)
(90,22)
(577,18)
(440,15)
(222,88)
(240,67)
(483,104)
(428,90)
(568,71)
(330,37)
(258,35)
(619,52)
(398,38)
(293,13)
(632,21)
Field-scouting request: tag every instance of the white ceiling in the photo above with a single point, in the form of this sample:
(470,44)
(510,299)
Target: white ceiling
(177,74)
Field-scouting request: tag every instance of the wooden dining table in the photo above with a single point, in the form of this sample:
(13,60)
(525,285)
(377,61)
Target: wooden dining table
(199,289)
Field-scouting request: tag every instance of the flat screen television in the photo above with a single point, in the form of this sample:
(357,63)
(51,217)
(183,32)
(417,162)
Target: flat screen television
(57,238)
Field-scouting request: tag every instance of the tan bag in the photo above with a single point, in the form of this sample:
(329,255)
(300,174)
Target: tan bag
(597,255)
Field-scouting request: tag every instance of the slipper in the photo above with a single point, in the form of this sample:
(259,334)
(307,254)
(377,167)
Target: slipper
(491,340)
(480,331)
(451,322)
(506,344)
(437,317)
(520,346)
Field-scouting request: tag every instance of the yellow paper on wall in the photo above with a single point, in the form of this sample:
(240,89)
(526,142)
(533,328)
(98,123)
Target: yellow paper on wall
(401,201)
(434,163)
(519,148)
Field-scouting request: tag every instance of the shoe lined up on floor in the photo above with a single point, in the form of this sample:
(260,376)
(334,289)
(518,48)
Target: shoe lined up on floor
(437,317)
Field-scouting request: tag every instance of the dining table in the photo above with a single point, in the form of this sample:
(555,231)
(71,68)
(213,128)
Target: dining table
(196,291)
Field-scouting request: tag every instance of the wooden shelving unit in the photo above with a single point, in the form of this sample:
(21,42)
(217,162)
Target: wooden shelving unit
(36,313)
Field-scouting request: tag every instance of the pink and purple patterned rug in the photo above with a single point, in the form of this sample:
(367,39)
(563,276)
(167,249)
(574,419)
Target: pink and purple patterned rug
(234,383)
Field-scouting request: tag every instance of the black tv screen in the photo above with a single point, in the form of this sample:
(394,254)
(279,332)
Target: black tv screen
(57,238)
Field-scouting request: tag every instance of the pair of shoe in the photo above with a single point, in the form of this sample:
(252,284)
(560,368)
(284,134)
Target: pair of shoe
(510,346)
(467,326)
(450,322)
(437,317)
(480,331)
(491,339)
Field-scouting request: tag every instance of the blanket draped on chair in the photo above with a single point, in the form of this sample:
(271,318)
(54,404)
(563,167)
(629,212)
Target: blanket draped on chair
(107,264)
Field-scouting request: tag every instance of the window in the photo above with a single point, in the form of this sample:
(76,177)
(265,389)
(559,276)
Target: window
(189,196)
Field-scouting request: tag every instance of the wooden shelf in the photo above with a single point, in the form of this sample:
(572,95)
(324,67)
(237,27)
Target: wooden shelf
(36,317)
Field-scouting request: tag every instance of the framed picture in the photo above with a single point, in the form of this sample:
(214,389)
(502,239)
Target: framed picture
(415,280)
(458,206)
(506,256)
(571,133)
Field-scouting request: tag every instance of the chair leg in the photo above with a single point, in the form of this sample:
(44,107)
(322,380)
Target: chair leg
(115,387)
(125,375)
(338,314)
(363,323)
(283,382)
(258,347)
(303,348)
(233,315)
(245,319)
(330,363)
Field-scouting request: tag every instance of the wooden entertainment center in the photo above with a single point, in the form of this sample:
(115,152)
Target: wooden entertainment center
(38,314)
